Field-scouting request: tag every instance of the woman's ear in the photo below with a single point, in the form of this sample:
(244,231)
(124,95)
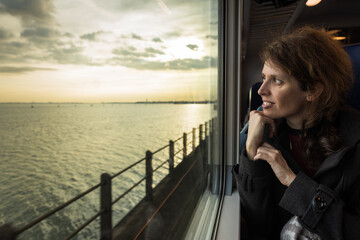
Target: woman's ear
(314,92)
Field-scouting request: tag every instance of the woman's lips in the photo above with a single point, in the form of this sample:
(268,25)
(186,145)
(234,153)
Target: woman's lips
(267,104)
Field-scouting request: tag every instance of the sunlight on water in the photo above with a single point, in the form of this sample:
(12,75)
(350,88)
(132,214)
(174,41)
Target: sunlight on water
(52,152)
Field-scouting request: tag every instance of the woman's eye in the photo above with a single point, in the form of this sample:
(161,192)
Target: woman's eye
(277,81)
(263,78)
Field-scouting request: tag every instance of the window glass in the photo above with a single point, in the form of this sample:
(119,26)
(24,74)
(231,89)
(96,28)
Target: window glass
(88,87)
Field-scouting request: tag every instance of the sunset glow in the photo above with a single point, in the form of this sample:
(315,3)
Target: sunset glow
(106,51)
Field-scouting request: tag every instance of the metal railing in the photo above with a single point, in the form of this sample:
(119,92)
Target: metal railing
(106,202)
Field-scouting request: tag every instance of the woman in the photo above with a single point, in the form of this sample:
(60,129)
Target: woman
(299,173)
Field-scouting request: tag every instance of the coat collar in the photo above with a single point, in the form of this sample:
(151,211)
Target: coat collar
(333,160)
(348,125)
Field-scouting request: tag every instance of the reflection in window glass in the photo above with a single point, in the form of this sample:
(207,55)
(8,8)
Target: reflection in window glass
(88,87)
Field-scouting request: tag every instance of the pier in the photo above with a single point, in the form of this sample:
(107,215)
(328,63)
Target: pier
(161,214)
(172,204)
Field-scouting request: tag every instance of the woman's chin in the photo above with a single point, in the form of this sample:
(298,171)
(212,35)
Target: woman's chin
(270,114)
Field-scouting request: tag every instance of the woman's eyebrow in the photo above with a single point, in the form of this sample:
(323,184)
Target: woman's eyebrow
(271,75)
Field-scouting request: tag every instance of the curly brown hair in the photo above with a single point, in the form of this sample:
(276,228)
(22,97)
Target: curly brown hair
(312,56)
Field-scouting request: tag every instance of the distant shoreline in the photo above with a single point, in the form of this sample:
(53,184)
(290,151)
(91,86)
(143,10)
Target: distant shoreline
(140,102)
(176,102)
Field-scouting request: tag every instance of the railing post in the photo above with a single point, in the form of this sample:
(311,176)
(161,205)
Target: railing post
(212,125)
(7,232)
(171,156)
(193,139)
(200,133)
(149,173)
(184,143)
(105,199)
(206,129)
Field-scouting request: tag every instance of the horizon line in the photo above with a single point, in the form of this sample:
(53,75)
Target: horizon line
(113,102)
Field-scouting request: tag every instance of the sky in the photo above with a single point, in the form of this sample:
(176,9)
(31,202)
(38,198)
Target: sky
(107,51)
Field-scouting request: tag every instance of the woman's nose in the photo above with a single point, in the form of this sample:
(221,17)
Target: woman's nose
(263,90)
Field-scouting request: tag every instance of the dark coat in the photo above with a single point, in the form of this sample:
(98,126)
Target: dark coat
(327,204)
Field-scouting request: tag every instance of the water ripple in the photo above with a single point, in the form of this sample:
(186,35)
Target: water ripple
(50,154)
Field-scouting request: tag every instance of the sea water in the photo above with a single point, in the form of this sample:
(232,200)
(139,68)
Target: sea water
(49,153)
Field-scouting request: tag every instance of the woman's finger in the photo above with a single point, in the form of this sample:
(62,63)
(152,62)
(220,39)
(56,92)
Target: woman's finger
(266,153)
(277,162)
(257,123)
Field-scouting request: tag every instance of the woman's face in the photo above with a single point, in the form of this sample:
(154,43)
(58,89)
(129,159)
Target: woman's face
(282,96)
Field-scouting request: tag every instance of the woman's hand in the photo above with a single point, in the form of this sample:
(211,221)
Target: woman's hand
(257,122)
(277,162)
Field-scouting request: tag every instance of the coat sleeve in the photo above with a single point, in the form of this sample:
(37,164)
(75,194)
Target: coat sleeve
(351,215)
(254,181)
(321,210)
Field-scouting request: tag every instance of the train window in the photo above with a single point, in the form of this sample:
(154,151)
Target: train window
(109,119)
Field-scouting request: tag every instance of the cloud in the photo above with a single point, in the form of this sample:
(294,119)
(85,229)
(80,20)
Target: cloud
(158,40)
(43,40)
(68,35)
(132,57)
(173,34)
(5,34)
(12,47)
(127,6)
(142,38)
(193,47)
(43,44)
(40,32)
(133,52)
(91,36)
(14,70)
(215,37)
(161,6)
(29,10)
(70,54)
(153,50)
(50,51)
(14,51)
(189,63)
(178,64)
(130,51)
(134,36)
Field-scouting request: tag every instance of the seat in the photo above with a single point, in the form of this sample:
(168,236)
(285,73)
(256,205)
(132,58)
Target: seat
(353,98)
(254,99)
